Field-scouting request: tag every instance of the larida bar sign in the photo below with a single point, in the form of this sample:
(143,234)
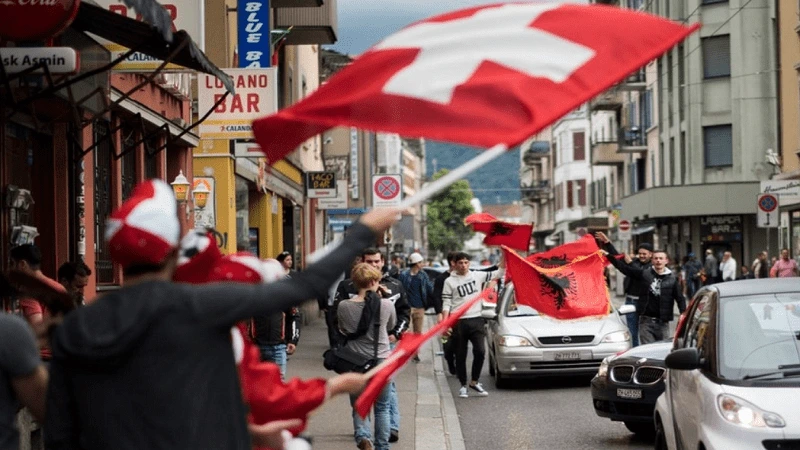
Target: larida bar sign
(254,36)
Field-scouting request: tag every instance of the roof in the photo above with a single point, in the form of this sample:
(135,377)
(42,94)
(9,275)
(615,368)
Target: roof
(503,212)
(759,286)
(147,39)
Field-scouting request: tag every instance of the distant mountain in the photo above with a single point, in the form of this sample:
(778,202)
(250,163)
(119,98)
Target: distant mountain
(495,183)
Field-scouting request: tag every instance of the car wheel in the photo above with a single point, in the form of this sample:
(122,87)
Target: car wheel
(661,437)
(500,382)
(643,429)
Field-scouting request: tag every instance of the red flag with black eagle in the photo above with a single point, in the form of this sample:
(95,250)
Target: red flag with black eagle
(571,291)
(480,76)
(498,232)
(408,346)
(564,254)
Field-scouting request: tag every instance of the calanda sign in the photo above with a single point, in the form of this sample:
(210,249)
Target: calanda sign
(31,20)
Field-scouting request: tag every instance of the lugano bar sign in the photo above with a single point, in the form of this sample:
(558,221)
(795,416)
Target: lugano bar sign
(29,20)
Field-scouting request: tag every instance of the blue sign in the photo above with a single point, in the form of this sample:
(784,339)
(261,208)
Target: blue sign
(340,222)
(253,32)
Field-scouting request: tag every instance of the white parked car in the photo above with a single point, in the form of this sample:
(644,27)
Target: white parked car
(522,343)
(733,379)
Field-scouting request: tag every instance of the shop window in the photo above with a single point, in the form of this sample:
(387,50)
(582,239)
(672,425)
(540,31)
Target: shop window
(716,56)
(128,162)
(718,145)
(103,163)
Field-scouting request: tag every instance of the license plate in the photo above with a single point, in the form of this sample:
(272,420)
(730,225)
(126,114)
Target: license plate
(567,356)
(633,394)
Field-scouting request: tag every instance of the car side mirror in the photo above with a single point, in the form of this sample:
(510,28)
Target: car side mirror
(626,309)
(684,359)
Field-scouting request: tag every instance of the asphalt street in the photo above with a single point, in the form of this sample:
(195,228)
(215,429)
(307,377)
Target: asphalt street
(543,413)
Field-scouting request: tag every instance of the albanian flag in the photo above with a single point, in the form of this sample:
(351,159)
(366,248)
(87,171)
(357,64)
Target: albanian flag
(269,398)
(577,289)
(564,254)
(514,235)
(408,346)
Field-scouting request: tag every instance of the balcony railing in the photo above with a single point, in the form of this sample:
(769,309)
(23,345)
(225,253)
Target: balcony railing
(634,82)
(536,152)
(610,100)
(536,190)
(632,139)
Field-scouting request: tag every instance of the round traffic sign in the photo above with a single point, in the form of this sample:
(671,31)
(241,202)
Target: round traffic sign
(387,188)
(767,203)
(624,225)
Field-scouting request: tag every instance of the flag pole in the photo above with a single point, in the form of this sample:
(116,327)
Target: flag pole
(432,189)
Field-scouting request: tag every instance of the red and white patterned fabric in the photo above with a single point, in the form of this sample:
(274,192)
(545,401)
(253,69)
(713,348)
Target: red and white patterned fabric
(145,229)
(199,255)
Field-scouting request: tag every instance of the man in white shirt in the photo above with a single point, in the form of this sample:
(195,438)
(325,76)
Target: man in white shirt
(728,267)
(461,286)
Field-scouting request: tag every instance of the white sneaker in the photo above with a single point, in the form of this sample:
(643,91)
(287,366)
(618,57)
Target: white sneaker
(479,388)
(463,393)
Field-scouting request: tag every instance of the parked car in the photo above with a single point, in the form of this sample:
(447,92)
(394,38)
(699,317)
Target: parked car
(522,343)
(627,385)
(734,373)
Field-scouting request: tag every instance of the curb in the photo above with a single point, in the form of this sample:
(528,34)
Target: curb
(437,423)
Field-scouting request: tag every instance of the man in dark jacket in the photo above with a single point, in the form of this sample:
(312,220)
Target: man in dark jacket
(634,287)
(151,365)
(276,336)
(391,289)
(655,305)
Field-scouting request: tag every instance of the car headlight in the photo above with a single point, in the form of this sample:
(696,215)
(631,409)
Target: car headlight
(602,372)
(514,341)
(741,412)
(616,337)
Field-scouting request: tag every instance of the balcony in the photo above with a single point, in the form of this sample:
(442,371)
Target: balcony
(310,26)
(634,82)
(537,190)
(606,153)
(632,140)
(610,100)
(537,151)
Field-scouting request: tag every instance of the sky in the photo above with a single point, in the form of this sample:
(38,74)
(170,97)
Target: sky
(364,23)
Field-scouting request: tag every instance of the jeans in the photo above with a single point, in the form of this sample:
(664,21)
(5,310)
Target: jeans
(276,354)
(394,404)
(633,321)
(652,330)
(381,409)
(470,330)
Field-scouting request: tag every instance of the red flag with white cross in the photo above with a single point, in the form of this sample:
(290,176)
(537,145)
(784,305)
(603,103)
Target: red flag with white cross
(480,76)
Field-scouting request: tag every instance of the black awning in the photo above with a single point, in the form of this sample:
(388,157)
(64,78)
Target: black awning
(146,39)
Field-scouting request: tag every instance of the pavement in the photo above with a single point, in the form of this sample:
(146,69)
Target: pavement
(429,420)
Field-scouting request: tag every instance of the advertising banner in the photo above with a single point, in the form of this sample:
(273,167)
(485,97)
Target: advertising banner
(256,96)
(253,34)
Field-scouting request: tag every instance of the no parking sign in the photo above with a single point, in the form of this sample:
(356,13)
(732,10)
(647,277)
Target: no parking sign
(387,190)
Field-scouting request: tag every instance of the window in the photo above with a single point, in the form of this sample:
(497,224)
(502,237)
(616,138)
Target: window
(582,192)
(151,157)
(684,163)
(718,145)
(578,146)
(646,109)
(681,82)
(670,80)
(128,161)
(559,201)
(716,56)
(709,2)
(661,165)
(103,170)
(570,194)
(672,161)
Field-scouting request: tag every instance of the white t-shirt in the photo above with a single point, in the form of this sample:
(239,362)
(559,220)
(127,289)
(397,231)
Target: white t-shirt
(459,289)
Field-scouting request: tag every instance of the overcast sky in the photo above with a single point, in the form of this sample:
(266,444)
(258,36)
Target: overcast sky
(363,23)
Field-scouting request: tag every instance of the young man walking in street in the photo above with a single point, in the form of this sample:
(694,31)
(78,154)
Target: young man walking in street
(150,365)
(655,305)
(419,290)
(462,286)
(634,286)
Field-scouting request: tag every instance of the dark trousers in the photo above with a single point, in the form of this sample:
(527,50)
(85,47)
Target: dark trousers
(470,330)
(333,334)
(449,349)
(633,320)
(652,330)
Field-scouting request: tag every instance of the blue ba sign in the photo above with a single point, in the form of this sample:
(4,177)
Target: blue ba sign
(254,36)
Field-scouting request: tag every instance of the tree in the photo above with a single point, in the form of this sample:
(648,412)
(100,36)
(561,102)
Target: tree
(446,213)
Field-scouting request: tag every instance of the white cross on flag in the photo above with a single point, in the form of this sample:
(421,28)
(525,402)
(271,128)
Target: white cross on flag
(479,76)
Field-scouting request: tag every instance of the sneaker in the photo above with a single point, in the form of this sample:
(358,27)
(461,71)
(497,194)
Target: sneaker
(394,435)
(479,388)
(416,358)
(463,393)
(365,444)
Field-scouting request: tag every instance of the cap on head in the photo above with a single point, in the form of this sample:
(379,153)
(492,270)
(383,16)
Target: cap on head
(145,229)
(415,258)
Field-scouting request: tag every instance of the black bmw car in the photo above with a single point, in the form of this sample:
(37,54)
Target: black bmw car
(627,385)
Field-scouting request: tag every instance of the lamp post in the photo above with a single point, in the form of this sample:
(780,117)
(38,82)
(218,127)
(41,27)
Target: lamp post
(180,186)
(200,195)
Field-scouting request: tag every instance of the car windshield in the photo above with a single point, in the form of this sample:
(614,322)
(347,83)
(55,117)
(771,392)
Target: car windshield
(759,335)
(513,309)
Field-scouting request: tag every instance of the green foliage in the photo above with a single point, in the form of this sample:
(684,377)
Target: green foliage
(446,213)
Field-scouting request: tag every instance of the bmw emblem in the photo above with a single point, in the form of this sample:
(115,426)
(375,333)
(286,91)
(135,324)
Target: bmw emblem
(641,361)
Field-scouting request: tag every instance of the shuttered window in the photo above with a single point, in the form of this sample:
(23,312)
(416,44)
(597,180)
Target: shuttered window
(579,146)
(716,56)
(718,145)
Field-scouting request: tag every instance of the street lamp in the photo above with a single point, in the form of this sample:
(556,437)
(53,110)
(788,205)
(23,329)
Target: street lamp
(180,186)
(200,195)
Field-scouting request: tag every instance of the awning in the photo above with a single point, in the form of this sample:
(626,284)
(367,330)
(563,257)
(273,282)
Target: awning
(187,139)
(589,223)
(642,230)
(147,39)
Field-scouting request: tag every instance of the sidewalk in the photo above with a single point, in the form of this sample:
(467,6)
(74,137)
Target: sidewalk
(429,420)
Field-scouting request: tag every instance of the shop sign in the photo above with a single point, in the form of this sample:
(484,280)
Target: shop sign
(784,188)
(256,96)
(321,184)
(187,15)
(31,20)
(721,228)
(58,60)
(247,150)
(253,35)
(338,202)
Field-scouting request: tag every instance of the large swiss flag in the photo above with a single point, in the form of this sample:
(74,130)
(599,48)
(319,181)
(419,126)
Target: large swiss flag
(480,76)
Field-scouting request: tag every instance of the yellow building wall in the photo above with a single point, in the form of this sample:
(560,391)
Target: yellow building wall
(790,96)
(212,159)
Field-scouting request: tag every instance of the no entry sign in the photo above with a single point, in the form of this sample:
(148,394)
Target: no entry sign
(624,230)
(386,190)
